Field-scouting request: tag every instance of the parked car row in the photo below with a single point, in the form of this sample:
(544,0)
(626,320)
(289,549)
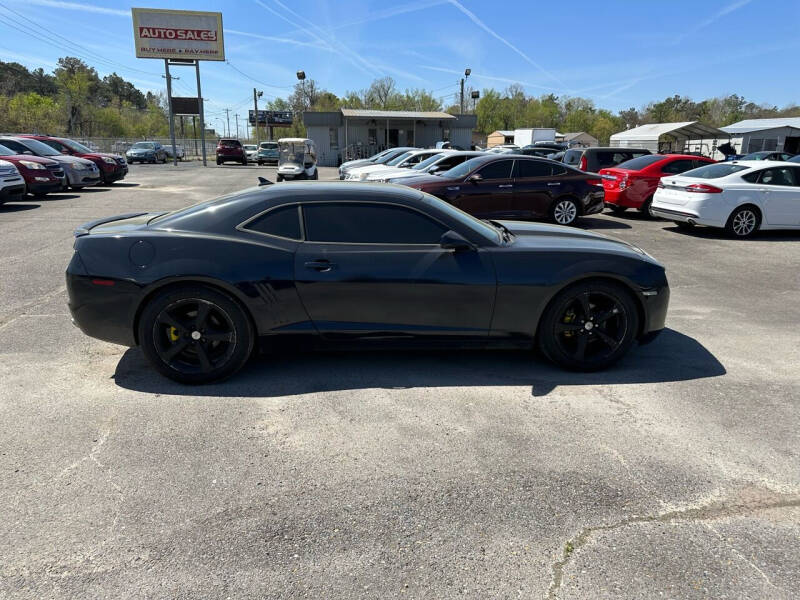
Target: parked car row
(48,164)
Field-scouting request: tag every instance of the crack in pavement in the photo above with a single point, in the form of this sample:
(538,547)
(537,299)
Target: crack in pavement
(40,300)
(761,500)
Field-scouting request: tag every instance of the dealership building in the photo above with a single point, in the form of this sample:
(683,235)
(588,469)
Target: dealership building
(354,133)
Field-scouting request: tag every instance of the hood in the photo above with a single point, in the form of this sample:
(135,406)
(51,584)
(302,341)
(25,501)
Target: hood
(534,235)
(35,159)
(388,173)
(73,160)
(101,155)
(419,180)
(139,150)
(369,169)
(355,163)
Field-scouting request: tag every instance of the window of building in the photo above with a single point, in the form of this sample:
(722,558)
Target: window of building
(333,132)
(372,136)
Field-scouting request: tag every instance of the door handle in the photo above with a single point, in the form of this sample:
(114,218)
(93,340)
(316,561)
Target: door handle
(321,265)
(554,183)
(507,185)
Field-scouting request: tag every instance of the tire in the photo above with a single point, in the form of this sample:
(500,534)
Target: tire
(566,337)
(219,162)
(315,177)
(279,178)
(617,210)
(743,222)
(244,162)
(174,334)
(564,211)
(645,207)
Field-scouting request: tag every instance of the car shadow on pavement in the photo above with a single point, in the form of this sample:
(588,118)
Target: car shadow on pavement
(671,357)
(118,184)
(9,208)
(715,233)
(594,223)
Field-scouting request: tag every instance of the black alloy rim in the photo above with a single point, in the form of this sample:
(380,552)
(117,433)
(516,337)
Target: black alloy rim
(194,336)
(591,326)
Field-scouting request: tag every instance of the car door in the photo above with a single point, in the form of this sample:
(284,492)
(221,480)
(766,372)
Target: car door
(780,188)
(377,270)
(534,188)
(489,197)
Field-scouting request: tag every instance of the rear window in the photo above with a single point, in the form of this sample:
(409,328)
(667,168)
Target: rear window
(230,143)
(714,171)
(639,163)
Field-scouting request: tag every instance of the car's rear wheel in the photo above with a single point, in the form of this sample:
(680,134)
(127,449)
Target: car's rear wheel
(589,326)
(645,207)
(743,222)
(279,177)
(195,334)
(564,211)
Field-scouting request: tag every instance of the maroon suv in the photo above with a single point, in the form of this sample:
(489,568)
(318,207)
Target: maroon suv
(112,167)
(42,175)
(228,150)
(507,186)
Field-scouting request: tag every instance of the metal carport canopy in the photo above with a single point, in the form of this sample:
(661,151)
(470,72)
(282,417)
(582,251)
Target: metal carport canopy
(691,130)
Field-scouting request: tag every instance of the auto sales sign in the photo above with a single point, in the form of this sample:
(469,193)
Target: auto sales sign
(182,34)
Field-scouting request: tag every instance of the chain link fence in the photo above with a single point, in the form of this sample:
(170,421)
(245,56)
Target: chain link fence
(188,148)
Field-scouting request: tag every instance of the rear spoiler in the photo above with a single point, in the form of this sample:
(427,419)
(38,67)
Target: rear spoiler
(86,227)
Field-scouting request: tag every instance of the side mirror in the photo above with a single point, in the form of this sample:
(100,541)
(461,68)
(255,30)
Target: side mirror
(475,178)
(451,240)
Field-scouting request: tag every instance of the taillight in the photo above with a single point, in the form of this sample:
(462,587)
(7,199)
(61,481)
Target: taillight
(702,188)
(623,182)
(584,164)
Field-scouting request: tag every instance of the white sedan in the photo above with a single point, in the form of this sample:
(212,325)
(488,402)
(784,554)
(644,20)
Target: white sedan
(404,161)
(740,196)
(438,163)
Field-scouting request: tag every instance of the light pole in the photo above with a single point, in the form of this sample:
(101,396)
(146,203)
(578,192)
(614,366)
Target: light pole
(463,79)
(301,75)
(256,96)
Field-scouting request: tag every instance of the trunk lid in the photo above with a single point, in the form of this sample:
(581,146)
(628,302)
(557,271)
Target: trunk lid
(116,224)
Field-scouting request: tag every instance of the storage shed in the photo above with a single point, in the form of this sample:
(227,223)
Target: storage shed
(753,135)
(689,136)
(579,139)
(499,137)
(353,133)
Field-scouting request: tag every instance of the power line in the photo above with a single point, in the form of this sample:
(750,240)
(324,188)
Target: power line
(243,74)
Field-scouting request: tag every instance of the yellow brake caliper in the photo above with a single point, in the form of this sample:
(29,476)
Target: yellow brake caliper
(173,334)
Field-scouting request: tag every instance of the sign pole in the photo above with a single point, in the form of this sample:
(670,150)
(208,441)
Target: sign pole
(202,117)
(255,106)
(171,117)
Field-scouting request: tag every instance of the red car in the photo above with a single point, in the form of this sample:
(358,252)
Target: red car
(42,175)
(112,167)
(632,183)
(230,150)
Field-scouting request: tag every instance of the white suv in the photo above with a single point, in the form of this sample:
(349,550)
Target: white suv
(12,185)
(740,196)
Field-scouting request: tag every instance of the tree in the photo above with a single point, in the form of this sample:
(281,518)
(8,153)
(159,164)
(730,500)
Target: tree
(381,94)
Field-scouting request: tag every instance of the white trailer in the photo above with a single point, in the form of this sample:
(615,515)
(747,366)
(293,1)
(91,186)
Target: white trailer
(531,135)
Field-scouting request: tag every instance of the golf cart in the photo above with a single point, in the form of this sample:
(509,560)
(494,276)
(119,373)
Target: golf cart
(297,159)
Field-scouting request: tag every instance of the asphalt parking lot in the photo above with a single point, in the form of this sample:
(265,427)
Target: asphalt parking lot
(407,474)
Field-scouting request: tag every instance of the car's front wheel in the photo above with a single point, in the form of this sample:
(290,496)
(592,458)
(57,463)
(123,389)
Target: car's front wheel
(195,334)
(589,326)
(564,211)
(743,222)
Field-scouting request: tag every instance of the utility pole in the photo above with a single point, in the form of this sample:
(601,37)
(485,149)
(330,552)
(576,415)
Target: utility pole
(171,116)
(256,96)
(237,125)
(228,120)
(463,79)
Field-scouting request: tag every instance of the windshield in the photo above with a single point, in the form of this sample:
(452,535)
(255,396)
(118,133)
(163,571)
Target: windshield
(640,162)
(397,160)
(714,171)
(463,169)
(756,155)
(795,159)
(390,154)
(379,155)
(292,152)
(250,147)
(144,145)
(38,147)
(6,152)
(76,147)
(481,227)
(427,162)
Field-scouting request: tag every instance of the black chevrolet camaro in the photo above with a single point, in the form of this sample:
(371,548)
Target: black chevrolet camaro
(341,263)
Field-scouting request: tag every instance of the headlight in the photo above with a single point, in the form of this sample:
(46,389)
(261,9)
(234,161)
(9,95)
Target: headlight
(79,167)
(109,161)
(32,165)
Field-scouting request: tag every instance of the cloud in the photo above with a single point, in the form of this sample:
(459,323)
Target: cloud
(497,36)
(83,7)
(491,78)
(725,10)
(283,40)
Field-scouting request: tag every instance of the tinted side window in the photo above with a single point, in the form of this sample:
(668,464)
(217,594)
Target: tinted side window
(752,177)
(283,222)
(53,144)
(369,224)
(451,162)
(677,166)
(15,146)
(497,170)
(533,168)
(572,157)
(780,176)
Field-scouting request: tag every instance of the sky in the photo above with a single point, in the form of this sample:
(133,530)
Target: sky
(619,53)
